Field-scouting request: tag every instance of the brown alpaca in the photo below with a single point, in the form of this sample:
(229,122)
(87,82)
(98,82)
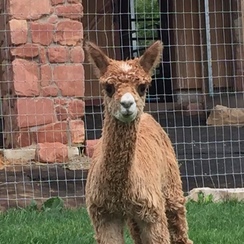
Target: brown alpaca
(134,175)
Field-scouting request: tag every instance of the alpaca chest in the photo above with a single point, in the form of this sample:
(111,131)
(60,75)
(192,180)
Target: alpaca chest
(126,199)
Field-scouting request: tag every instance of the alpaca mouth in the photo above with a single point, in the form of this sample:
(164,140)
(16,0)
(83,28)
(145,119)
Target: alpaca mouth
(127,114)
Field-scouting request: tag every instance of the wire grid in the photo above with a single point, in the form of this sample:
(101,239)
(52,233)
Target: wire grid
(185,88)
(43,61)
(201,69)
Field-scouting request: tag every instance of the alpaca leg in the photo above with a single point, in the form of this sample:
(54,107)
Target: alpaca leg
(108,229)
(134,231)
(155,233)
(176,214)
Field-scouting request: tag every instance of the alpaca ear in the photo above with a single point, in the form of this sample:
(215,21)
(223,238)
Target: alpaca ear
(97,57)
(151,57)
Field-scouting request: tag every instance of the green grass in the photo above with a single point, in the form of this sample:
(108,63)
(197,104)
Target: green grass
(221,223)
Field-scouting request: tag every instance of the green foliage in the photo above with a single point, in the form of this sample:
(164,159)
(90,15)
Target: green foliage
(147,21)
(32,207)
(202,199)
(54,203)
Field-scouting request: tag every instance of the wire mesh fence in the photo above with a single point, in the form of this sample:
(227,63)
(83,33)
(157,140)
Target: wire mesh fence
(42,96)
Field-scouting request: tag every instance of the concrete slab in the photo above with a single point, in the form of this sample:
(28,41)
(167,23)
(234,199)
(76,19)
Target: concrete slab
(218,194)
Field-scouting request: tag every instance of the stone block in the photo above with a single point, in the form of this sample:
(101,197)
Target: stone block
(24,154)
(43,55)
(35,111)
(90,146)
(53,19)
(61,113)
(77,55)
(49,91)
(68,32)
(77,131)
(58,54)
(76,108)
(28,50)
(24,138)
(55,132)
(46,75)
(74,1)
(69,79)
(56,2)
(42,33)
(18,31)
(29,9)
(52,152)
(72,11)
(61,101)
(25,77)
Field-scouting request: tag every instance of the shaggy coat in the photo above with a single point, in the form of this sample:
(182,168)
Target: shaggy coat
(134,176)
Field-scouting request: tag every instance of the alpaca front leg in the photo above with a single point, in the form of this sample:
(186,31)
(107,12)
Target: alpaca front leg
(134,231)
(109,232)
(156,233)
(176,214)
(108,229)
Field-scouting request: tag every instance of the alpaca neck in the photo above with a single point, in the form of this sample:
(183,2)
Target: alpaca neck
(119,140)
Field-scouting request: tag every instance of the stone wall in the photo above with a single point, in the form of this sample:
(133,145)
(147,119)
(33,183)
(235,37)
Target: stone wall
(43,76)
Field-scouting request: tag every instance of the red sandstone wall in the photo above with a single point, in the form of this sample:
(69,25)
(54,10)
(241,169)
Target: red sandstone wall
(43,75)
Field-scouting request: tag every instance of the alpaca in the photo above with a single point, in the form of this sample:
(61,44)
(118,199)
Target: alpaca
(134,175)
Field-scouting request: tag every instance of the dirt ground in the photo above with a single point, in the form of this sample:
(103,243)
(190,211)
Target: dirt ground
(208,156)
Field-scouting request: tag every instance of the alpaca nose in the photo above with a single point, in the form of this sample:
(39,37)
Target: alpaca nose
(126,104)
(127,100)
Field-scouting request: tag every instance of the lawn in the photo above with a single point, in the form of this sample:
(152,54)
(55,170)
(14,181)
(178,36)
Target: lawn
(213,223)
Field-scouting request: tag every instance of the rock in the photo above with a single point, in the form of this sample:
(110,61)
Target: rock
(29,9)
(52,152)
(58,54)
(74,1)
(43,55)
(221,115)
(72,11)
(46,75)
(77,55)
(217,194)
(90,146)
(24,138)
(25,51)
(41,33)
(49,91)
(55,132)
(35,111)
(18,31)
(69,79)
(68,32)
(56,2)
(25,77)
(53,19)
(77,131)
(76,108)
(61,113)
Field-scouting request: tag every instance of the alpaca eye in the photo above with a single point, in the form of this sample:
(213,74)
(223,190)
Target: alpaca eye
(109,88)
(142,89)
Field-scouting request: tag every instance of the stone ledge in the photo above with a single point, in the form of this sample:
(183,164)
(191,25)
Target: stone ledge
(218,194)
(25,154)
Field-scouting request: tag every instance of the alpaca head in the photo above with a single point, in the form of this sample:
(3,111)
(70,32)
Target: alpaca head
(124,83)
